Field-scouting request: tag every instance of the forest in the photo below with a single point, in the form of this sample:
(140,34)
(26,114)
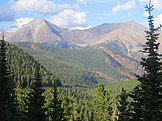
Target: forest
(31,92)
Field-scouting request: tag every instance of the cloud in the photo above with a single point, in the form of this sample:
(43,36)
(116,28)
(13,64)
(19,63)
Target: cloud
(6,15)
(81,28)
(22,21)
(19,23)
(39,6)
(69,18)
(158,20)
(129,4)
(157,3)
(83,1)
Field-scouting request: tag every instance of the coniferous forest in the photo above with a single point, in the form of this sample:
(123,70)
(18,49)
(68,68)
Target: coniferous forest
(30,92)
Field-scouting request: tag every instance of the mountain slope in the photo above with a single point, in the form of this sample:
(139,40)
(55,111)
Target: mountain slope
(85,64)
(38,30)
(129,34)
(23,67)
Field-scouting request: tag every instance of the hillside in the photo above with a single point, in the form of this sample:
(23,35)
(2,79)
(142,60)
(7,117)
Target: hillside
(23,66)
(91,65)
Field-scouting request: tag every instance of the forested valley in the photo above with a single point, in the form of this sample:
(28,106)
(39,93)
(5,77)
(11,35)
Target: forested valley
(31,92)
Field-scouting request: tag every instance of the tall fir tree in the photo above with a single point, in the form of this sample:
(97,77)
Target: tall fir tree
(8,108)
(20,99)
(123,108)
(102,105)
(55,108)
(36,100)
(147,96)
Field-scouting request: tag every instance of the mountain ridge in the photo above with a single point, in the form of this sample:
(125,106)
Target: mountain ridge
(129,34)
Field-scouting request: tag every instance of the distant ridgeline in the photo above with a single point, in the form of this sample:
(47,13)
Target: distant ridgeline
(23,67)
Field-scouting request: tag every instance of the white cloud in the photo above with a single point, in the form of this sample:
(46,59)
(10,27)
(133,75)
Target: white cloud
(157,3)
(69,18)
(39,6)
(81,28)
(20,22)
(158,20)
(129,4)
(83,1)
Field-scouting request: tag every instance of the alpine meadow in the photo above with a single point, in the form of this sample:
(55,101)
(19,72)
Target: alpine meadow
(54,66)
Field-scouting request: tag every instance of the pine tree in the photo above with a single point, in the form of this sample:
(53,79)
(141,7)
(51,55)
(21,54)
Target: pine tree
(123,107)
(102,105)
(7,98)
(74,112)
(36,101)
(147,96)
(56,110)
(20,99)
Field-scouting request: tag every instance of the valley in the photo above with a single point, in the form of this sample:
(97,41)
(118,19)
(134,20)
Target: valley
(78,75)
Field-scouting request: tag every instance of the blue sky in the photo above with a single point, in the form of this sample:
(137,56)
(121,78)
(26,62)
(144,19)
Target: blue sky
(73,14)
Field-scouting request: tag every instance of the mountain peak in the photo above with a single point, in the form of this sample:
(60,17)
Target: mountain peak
(132,22)
(36,22)
(38,30)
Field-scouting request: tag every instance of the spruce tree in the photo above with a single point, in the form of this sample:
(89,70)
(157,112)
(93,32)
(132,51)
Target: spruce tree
(36,101)
(147,96)
(55,109)
(123,107)
(7,97)
(102,105)
(20,99)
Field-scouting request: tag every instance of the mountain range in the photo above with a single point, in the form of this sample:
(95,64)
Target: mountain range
(128,36)
(105,52)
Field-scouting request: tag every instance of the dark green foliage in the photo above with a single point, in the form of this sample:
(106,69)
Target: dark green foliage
(8,109)
(36,101)
(23,67)
(83,67)
(123,108)
(147,96)
(55,109)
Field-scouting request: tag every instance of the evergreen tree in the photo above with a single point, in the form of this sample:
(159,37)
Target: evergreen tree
(36,101)
(147,96)
(56,111)
(74,112)
(7,95)
(102,105)
(123,107)
(20,99)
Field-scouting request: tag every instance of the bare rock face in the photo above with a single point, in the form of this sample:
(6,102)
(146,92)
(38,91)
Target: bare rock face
(38,30)
(130,35)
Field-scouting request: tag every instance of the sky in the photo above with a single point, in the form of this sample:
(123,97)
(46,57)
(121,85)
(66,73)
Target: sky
(75,14)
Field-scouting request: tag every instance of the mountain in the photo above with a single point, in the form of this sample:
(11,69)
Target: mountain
(23,67)
(38,30)
(84,65)
(128,36)
(106,52)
